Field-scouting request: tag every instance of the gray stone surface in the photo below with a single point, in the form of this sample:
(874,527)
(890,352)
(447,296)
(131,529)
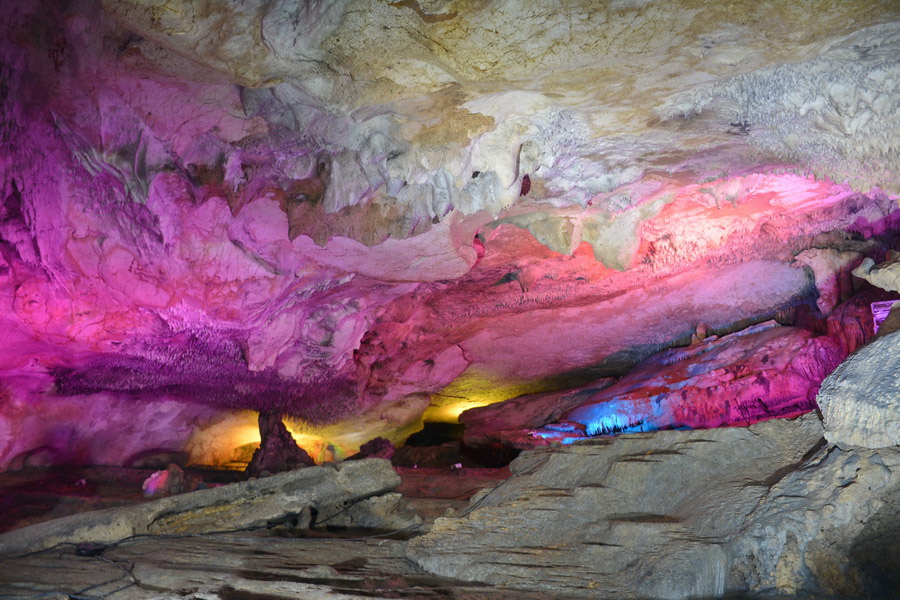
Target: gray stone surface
(248,566)
(830,528)
(640,515)
(387,512)
(860,400)
(248,504)
(677,514)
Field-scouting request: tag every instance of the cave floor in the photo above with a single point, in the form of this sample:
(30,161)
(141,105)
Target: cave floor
(246,566)
(252,565)
(267,564)
(37,494)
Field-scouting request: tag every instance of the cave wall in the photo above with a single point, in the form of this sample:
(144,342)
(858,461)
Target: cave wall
(358,213)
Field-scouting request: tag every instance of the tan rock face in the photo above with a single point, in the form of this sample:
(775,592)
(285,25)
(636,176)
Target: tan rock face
(613,89)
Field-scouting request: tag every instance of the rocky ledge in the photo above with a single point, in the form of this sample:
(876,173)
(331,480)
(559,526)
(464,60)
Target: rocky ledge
(677,514)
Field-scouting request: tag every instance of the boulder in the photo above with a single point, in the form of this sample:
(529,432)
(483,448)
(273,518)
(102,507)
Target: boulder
(860,400)
(830,528)
(378,447)
(169,482)
(639,515)
(245,505)
(387,512)
(885,275)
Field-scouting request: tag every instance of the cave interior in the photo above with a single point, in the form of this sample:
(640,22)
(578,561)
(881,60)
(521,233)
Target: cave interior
(500,251)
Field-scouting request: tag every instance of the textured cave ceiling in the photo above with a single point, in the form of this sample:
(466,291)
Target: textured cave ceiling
(358,211)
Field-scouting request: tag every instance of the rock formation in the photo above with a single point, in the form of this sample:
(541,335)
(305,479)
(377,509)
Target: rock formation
(860,400)
(512,422)
(247,505)
(767,508)
(277,450)
(371,217)
(761,372)
(885,275)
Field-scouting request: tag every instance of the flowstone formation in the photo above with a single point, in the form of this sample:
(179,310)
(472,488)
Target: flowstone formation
(365,215)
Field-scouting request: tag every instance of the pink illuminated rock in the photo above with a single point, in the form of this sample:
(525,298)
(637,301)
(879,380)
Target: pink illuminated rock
(831,270)
(762,372)
(511,423)
(167,236)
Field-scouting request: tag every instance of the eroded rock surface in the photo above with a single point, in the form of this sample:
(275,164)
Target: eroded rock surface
(761,372)
(885,275)
(511,422)
(249,504)
(259,206)
(277,450)
(829,528)
(860,400)
(679,514)
(592,518)
(248,565)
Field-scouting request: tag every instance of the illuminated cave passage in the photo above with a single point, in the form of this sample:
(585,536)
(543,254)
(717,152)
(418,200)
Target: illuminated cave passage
(582,300)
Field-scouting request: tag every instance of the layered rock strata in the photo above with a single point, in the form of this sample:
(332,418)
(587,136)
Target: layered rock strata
(291,497)
(679,514)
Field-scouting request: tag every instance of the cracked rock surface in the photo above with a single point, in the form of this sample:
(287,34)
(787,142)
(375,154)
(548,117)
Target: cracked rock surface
(590,516)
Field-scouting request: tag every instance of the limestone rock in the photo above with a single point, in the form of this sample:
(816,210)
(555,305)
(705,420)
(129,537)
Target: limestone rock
(378,447)
(509,422)
(248,504)
(851,323)
(640,515)
(277,450)
(385,512)
(828,528)
(761,372)
(169,482)
(831,269)
(859,400)
(253,565)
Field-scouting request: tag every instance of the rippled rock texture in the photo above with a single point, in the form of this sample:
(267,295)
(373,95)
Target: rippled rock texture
(294,496)
(681,514)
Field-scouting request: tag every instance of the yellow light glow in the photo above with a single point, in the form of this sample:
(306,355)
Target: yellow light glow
(475,388)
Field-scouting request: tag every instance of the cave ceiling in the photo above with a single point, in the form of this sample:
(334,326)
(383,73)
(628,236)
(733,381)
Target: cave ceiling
(356,212)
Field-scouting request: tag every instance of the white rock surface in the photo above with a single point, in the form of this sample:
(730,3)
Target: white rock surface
(860,400)
(831,269)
